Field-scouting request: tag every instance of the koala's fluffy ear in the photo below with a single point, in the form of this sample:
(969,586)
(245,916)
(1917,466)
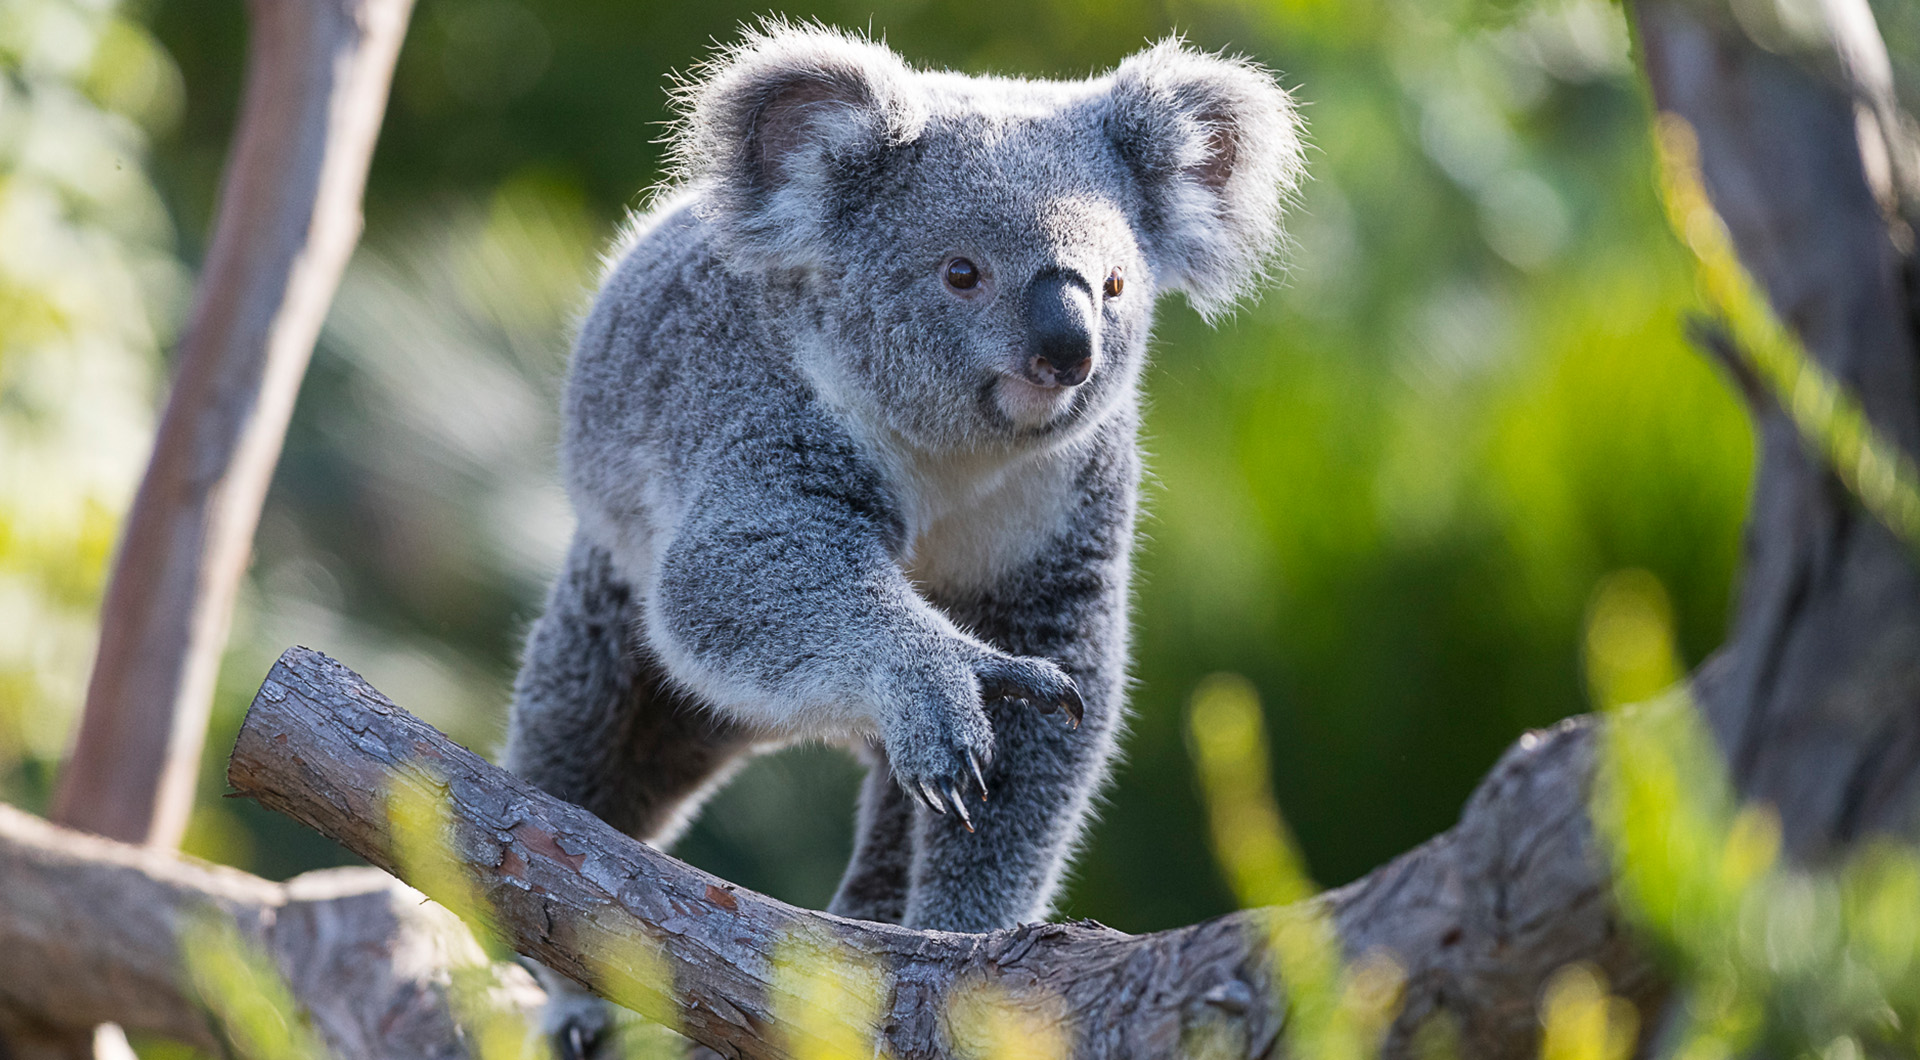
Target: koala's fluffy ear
(1215,146)
(783,129)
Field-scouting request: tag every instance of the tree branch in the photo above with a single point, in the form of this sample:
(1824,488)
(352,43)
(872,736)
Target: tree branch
(1477,918)
(92,931)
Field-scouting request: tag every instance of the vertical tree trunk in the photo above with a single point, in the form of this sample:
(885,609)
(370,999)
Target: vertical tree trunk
(316,89)
(1816,699)
(317,78)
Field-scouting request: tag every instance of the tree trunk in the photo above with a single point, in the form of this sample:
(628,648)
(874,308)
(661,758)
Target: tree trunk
(317,77)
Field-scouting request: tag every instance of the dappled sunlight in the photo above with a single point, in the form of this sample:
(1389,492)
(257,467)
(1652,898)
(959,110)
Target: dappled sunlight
(1810,958)
(1335,1010)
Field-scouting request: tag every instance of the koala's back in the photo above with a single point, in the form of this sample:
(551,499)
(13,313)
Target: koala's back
(674,360)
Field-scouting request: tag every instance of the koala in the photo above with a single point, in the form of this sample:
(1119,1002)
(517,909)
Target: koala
(851,435)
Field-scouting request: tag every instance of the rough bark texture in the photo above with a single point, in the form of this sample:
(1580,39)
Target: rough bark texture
(317,77)
(91,931)
(1816,698)
(1478,917)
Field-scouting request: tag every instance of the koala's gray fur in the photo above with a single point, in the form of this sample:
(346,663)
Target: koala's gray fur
(822,493)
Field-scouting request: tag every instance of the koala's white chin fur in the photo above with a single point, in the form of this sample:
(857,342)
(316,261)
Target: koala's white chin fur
(1031,405)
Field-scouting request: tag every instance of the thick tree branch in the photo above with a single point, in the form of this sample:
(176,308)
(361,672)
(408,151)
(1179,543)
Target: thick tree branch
(91,931)
(317,77)
(1478,917)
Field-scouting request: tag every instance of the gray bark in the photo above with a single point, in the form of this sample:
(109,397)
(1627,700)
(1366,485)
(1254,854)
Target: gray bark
(1815,700)
(1478,918)
(91,932)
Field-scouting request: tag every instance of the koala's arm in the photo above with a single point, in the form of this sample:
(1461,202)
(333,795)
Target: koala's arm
(778,598)
(1068,603)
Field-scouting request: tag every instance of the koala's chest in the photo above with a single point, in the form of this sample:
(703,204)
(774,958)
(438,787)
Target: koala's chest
(973,521)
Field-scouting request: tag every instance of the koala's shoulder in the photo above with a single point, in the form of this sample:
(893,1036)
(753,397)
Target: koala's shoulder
(665,279)
(667,253)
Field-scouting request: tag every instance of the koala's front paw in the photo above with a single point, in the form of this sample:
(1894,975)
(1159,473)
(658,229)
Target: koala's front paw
(940,743)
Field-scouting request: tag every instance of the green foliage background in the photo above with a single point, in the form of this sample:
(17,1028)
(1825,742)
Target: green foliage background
(1384,493)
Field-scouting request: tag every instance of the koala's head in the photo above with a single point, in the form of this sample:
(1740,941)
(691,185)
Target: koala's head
(973,260)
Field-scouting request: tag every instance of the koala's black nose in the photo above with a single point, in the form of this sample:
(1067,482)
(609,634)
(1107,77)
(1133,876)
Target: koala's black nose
(1060,325)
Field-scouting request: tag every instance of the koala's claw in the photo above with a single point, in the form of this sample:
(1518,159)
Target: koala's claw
(932,798)
(1073,705)
(973,762)
(959,808)
(1034,682)
(940,738)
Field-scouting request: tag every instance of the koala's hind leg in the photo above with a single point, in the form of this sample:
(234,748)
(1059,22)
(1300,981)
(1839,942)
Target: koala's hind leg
(595,723)
(875,884)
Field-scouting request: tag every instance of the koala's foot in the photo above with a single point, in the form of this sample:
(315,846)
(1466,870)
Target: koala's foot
(941,742)
(576,1025)
(581,1027)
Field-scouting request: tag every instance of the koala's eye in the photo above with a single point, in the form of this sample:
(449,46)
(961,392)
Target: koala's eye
(962,275)
(1115,283)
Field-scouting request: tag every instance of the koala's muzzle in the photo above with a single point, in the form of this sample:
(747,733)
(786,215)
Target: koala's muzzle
(1060,329)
